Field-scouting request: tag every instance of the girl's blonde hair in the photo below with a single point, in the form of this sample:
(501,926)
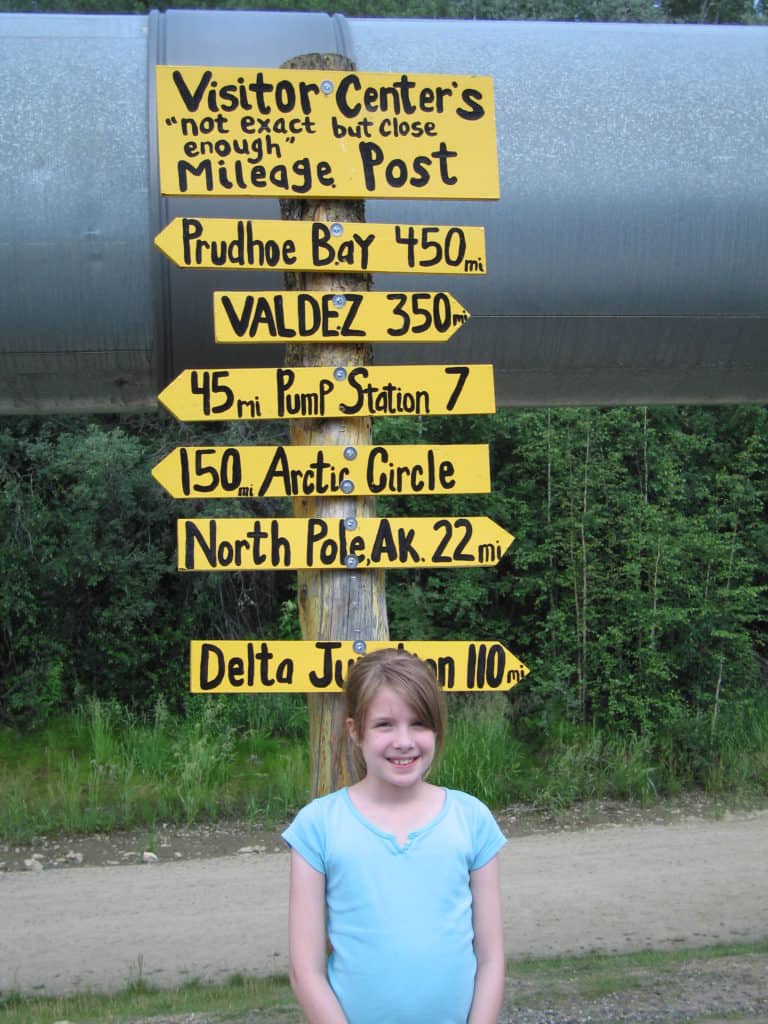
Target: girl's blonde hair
(410,677)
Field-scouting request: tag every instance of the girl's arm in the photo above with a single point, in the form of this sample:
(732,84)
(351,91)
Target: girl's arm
(307,945)
(489,944)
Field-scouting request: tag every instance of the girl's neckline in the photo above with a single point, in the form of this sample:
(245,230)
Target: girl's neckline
(390,836)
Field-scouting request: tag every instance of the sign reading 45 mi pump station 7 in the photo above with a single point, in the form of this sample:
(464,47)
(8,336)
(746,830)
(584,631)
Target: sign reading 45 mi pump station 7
(275,132)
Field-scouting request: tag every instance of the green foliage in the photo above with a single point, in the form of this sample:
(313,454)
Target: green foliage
(481,755)
(636,585)
(635,592)
(91,602)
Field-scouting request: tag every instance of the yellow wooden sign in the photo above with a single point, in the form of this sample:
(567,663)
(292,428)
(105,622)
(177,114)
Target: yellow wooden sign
(206,243)
(296,134)
(332,471)
(312,392)
(237,545)
(352,317)
(308,666)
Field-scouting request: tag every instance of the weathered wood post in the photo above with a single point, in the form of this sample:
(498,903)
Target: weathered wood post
(333,604)
(377,136)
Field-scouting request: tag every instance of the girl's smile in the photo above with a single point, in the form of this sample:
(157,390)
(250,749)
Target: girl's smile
(398,748)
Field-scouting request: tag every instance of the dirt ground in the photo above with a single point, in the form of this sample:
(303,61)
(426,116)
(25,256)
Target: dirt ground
(97,913)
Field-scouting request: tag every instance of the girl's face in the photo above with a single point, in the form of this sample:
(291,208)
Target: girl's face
(397,746)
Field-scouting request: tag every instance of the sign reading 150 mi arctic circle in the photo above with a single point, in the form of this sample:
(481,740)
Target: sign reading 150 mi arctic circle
(307,666)
(273,132)
(333,471)
(312,392)
(236,545)
(206,243)
(253,317)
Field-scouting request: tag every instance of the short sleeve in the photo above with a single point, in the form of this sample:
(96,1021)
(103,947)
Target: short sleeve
(306,835)
(488,838)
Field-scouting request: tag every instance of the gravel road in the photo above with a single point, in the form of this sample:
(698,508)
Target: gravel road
(683,882)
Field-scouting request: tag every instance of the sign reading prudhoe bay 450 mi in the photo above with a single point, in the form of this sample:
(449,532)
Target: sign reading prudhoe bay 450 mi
(273,132)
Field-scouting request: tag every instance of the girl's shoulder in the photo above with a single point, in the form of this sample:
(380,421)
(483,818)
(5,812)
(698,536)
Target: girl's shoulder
(468,802)
(309,831)
(479,824)
(324,806)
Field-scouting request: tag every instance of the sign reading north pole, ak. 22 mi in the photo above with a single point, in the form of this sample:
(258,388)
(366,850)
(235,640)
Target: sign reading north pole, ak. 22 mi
(311,392)
(205,243)
(352,317)
(306,666)
(235,545)
(275,132)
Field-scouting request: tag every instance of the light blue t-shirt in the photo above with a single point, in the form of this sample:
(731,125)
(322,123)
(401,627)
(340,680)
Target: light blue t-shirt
(399,917)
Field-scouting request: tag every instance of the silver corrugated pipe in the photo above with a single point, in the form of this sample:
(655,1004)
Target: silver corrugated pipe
(626,256)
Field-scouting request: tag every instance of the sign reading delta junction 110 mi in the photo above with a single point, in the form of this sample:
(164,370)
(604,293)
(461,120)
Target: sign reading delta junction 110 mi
(274,132)
(308,666)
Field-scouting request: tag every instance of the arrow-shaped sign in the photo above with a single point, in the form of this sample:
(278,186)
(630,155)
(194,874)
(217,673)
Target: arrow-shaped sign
(307,666)
(332,471)
(229,244)
(353,317)
(303,392)
(235,545)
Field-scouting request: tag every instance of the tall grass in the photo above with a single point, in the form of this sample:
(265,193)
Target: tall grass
(104,768)
(481,754)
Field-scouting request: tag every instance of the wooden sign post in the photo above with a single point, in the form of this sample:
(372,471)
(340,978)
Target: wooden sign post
(322,138)
(340,604)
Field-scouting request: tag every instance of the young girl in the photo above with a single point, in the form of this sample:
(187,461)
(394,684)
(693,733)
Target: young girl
(401,875)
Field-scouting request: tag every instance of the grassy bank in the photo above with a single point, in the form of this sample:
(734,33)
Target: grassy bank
(539,984)
(103,768)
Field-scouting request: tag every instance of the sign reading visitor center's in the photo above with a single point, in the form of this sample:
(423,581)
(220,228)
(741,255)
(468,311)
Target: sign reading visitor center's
(275,132)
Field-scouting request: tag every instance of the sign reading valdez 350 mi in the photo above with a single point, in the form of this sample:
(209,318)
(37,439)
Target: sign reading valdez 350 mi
(306,666)
(332,471)
(335,316)
(273,132)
